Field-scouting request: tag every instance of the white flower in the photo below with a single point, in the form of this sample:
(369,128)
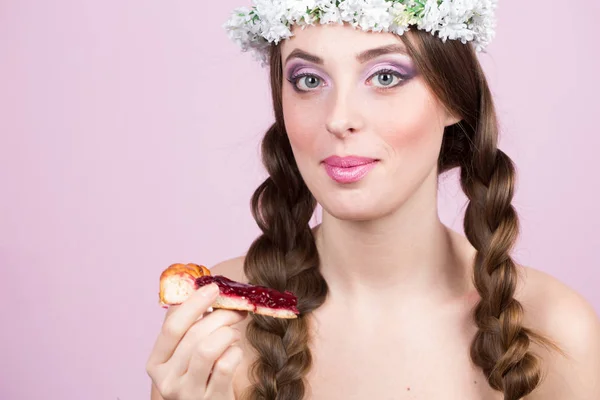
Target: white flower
(401,18)
(271,11)
(297,10)
(455,31)
(350,10)
(375,15)
(330,13)
(431,17)
(275,32)
(484,23)
(331,16)
(236,27)
(270,21)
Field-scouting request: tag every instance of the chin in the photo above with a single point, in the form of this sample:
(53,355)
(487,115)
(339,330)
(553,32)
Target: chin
(355,211)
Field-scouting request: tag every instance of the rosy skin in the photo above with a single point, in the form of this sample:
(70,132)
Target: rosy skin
(341,108)
(400,292)
(400,282)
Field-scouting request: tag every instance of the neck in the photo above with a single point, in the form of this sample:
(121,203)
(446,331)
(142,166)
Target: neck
(409,253)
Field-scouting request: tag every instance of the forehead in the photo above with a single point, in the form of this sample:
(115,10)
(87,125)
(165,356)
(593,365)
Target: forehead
(334,41)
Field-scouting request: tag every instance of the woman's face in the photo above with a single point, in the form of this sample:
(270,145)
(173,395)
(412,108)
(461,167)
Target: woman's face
(364,128)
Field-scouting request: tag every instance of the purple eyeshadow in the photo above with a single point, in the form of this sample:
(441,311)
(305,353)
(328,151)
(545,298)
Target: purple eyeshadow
(404,69)
(294,69)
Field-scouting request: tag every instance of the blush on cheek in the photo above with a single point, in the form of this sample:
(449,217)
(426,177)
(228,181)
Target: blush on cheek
(303,123)
(412,140)
(413,123)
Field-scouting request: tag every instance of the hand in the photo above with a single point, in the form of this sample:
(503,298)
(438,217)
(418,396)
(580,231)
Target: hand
(195,354)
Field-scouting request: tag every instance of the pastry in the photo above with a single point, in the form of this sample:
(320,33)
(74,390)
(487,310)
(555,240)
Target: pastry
(179,281)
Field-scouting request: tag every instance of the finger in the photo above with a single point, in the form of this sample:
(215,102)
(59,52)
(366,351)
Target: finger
(197,333)
(205,354)
(152,369)
(221,380)
(176,325)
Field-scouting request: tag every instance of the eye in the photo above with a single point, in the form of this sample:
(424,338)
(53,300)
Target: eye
(386,79)
(305,82)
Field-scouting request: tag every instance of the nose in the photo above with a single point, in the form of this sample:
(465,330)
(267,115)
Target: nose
(344,118)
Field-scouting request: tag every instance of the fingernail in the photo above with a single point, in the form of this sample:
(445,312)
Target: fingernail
(210,290)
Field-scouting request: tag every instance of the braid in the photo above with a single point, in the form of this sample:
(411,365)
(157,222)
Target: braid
(284,257)
(501,346)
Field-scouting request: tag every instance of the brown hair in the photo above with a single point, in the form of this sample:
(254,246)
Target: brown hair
(285,256)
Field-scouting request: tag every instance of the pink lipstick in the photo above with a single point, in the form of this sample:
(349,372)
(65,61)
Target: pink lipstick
(348,169)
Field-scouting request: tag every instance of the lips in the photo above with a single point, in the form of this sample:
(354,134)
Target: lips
(348,169)
(347,162)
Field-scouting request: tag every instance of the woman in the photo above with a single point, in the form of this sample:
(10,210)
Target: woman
(394,305)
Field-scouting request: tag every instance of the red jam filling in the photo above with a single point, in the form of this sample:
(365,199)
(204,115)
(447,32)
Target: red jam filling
(257,295)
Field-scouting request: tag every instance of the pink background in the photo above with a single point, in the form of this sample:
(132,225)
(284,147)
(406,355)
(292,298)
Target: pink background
(129,139)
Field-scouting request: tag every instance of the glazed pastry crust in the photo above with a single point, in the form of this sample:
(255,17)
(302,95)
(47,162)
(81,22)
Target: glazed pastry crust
(188,272)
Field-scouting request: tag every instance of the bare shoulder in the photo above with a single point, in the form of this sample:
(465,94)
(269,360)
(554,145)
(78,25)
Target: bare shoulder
(564,316)
(232,268)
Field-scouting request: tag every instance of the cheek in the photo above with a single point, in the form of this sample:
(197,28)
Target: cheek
(408,124)
(411,125)
(303,123)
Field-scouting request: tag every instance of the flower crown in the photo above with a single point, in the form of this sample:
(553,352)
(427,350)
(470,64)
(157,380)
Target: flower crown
(269,21)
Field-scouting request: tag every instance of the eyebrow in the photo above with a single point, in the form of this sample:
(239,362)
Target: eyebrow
(362,57)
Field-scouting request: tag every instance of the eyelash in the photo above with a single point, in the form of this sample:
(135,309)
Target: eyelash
(294,80)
